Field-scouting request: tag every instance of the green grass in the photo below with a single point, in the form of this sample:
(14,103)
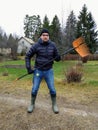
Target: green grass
(90,74)
(90,70)
(74,92)
(13,62)
(12,72)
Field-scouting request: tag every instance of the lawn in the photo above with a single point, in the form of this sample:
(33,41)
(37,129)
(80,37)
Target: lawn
(89,70)
(78,102)
(59,67)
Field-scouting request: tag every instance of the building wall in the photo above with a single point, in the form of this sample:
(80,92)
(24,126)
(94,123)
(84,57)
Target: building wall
(23,45)
(5,51)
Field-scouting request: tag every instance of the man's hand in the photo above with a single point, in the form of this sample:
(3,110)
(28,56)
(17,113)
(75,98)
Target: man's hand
(30,71)
(58,58)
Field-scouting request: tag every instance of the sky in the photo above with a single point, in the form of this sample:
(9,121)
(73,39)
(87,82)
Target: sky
(13,12)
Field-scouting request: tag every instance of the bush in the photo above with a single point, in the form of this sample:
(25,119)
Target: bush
(5,74)
(74,74)
(84,59)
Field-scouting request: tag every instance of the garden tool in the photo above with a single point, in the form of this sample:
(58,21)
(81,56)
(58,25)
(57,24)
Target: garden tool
(79,46)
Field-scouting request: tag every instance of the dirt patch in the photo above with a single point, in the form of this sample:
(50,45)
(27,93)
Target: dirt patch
(13,115)
(13,66)
(74,114)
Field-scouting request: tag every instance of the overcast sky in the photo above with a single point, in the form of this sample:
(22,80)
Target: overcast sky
(12,12)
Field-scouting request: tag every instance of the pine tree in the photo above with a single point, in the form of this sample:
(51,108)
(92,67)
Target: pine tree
(38,28)
(46,22)
(86,27)
(70,30)
(26,26)
(12,43)
(32,26)
(55,34)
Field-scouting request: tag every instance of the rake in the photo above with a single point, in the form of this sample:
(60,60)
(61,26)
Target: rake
(79,46)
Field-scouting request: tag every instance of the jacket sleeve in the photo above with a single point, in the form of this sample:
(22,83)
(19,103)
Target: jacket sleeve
(28,57)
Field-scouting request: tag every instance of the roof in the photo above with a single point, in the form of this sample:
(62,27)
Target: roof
(27,39)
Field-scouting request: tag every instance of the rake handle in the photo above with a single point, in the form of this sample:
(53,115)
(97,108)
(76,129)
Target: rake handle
(52,60)
(21,76)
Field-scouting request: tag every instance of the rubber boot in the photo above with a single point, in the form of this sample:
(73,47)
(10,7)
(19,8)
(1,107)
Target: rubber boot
(32,106)
(54,104)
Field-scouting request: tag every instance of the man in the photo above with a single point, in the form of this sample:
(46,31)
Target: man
(45,51)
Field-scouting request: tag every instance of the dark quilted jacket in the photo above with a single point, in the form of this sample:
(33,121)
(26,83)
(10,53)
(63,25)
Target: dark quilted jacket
(45,53)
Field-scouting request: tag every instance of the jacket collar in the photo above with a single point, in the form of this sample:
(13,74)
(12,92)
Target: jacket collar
(43,43)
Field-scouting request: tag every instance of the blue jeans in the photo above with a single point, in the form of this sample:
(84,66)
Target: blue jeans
(48,75)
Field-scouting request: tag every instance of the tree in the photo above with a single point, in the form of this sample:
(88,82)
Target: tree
(1,38)
(70,30)
(26,26)
(12,43)
(86,27)
(38,28)
(46,22)
(55,32)
(32,25)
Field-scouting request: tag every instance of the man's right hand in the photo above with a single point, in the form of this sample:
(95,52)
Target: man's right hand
(30,71)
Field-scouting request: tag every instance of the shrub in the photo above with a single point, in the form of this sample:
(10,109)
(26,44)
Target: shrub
(5,74)
(84,59)
(74,74)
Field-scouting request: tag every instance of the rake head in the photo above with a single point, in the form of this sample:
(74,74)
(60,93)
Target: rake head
(81,47)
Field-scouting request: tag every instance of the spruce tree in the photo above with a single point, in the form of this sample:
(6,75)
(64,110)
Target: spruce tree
(86,27)
(32,26)
(46,23)
(55,30)
(70,30)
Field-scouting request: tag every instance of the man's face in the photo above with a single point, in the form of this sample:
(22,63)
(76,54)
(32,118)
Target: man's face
(45,37)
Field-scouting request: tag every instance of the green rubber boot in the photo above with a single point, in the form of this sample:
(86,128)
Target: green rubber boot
(54,104)
(32,106)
